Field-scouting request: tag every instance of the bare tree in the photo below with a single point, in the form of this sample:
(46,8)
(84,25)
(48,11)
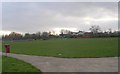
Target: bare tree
(45,35)
(15,36)
(110,30)
(95,29)
(38,35)
(63,31)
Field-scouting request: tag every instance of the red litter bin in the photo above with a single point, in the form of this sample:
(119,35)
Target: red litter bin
(7,47)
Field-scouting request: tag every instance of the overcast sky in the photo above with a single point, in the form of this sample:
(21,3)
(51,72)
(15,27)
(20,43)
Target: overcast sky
(53,16)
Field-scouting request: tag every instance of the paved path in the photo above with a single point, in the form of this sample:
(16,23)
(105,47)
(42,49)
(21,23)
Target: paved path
(52,64)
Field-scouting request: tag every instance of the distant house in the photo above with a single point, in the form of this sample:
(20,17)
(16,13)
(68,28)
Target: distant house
(78,33)
(73,34)
(81,33)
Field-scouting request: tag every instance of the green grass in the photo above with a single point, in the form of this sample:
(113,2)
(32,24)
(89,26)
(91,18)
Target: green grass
(71,48)
(14,65)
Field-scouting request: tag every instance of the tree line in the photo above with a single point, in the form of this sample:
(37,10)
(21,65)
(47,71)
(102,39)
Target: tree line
(95,31)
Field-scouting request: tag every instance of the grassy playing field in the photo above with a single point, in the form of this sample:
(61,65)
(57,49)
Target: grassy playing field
(87,47)
(14,65)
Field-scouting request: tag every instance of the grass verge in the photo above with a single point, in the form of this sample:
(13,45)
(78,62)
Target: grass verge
(14,65)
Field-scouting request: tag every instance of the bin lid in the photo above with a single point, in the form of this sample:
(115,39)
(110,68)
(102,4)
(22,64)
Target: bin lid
(7,45)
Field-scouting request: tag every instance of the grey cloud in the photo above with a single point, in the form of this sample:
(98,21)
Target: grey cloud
(32,17)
